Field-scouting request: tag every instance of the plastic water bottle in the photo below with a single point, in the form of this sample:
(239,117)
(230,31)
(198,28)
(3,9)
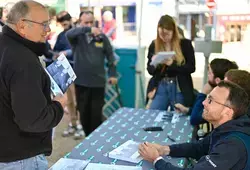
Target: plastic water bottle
(201,134)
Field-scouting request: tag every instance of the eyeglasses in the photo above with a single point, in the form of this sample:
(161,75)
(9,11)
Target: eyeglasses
(89,22)
(44,24)
(210,100)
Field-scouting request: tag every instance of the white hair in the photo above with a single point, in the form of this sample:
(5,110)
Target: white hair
(20,10)
(108,15)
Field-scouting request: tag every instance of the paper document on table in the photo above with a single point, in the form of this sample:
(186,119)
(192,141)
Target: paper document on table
(96,166)
(128,151)
(176,118)
(161,56)
(69,164)
(164,116)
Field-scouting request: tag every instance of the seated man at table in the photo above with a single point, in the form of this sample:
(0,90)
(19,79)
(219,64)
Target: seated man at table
(227,147)
(216,72)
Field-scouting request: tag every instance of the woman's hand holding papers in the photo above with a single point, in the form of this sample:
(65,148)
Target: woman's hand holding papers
(168,61)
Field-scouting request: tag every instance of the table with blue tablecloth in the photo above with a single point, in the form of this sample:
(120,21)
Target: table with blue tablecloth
(127,124)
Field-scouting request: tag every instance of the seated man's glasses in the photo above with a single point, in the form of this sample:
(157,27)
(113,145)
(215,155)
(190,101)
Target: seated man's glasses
(210,100)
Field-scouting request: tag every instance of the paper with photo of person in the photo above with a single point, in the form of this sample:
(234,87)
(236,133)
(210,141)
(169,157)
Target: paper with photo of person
(61,75)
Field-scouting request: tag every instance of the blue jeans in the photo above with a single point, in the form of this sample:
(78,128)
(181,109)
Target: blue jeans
(166,96)
(38,162)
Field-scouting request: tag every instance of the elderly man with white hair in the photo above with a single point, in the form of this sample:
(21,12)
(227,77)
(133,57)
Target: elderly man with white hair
(109,27)
(6,10)
(27,112)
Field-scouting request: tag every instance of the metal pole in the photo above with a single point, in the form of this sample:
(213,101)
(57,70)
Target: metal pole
(138,98)
(177,11)
(140,24)
(89,5)
(205,69)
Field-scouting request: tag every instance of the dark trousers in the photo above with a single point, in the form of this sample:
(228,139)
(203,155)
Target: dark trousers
(90,101)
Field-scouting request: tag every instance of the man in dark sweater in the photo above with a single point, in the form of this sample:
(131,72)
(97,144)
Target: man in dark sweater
(226,147)
(90,48)
(27,113)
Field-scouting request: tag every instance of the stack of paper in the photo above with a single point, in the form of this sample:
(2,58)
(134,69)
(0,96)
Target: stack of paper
(127,152)
(161,56)
(95,166)
(69,164)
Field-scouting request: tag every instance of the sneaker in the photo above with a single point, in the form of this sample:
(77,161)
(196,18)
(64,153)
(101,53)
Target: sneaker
(69,131)
(79,134)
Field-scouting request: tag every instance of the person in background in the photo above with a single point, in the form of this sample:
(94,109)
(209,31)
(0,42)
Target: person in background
(62,46)
(151,84)
(227,147)
(240,77)
(172,78)
(27,113)
(109,27)
(216,72)
(90,48)
(6,10)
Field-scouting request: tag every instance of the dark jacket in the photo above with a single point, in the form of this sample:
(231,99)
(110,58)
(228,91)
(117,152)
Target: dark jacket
(62,44)
(197,110)
(89,57)
(216,151)
(27,113)
(183,73)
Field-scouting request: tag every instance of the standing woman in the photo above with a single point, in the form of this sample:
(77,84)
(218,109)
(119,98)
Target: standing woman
(172,81)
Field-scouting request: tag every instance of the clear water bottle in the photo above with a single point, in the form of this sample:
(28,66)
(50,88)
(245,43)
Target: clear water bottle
(201,134)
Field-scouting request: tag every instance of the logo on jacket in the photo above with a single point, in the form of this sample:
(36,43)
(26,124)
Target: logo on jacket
(99,44)
(210,161)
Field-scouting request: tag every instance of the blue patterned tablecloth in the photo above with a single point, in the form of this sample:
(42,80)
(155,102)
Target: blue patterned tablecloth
(126,124)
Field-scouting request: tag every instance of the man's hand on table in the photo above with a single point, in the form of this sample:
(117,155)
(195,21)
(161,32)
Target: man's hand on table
(152,151)
(148,152)
(181,109)
(162,150)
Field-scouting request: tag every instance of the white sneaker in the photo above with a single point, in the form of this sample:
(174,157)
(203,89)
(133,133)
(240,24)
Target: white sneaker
(69,131)
(79,134)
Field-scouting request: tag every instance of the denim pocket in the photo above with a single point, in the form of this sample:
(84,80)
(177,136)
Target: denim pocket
(41,162)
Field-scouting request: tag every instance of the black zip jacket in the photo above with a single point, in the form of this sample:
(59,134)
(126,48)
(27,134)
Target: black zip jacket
(27,113)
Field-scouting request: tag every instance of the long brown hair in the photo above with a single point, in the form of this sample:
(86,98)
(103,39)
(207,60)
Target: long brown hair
(168,23)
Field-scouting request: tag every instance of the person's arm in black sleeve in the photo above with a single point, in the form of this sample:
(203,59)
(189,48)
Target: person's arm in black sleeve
(151,51)
(191,150)
(225,155)
(189,66)
(32,111)
(108,49)
(73,34)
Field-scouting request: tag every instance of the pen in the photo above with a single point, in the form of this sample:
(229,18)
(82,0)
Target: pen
(171,138)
